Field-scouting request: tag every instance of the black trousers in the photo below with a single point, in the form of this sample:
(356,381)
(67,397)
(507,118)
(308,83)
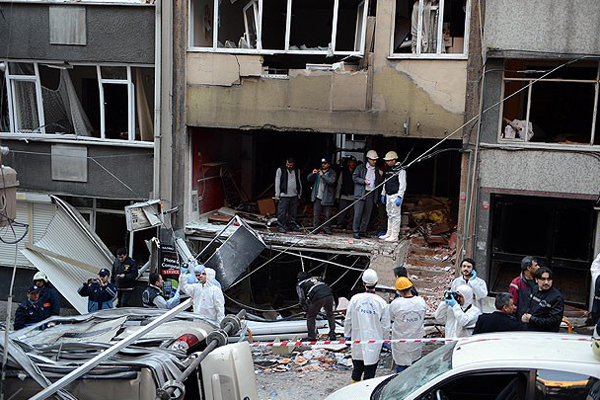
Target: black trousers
(362,214)
(344,220)
(360,368)
(124,297)
(311,315)
(287,209)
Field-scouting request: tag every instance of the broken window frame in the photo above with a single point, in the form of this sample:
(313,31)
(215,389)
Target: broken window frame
(36,79)
(259,50)
(529,90)
(440,36)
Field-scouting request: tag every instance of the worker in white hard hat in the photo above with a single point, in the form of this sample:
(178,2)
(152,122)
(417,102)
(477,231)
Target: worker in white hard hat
(367,318)
(49,300)
(366,178)
(392,195)
(407,313)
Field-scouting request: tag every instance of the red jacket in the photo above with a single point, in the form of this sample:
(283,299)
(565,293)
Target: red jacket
(520,289)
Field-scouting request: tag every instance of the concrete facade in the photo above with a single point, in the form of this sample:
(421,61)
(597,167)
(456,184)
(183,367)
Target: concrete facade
(404,98)
(545,26)
(123,34)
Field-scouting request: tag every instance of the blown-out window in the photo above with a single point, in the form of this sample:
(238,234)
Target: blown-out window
(320,27)
(430,28)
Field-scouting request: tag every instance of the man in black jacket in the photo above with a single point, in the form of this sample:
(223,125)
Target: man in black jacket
(29,312)
(501,320)
(124,274)
(315,294)
(49,300)
(546,304)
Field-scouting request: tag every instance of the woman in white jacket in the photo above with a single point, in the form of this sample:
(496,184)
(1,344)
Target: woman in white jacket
(459,314)
(208,298)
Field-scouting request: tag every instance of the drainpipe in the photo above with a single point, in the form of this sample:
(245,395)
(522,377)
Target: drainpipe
(157,96)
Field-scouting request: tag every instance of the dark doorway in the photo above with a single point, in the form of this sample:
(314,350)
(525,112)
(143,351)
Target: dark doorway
(560,232)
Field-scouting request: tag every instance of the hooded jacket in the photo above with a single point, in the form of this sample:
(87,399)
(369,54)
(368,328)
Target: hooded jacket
(367,318)
(459,320)
(208,298)
(480,290)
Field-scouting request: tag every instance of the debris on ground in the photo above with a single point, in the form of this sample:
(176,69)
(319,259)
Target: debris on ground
(303,359)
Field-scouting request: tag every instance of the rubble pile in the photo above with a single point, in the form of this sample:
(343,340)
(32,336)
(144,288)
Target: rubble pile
(302,359)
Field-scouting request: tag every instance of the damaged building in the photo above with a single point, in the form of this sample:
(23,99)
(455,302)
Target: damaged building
(78,117)
(258,81)
(534,152)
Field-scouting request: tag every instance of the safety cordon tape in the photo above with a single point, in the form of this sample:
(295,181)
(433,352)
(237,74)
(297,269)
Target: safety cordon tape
(390,341)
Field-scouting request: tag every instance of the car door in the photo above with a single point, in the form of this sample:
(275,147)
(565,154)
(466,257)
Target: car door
(483,385)
(560,385)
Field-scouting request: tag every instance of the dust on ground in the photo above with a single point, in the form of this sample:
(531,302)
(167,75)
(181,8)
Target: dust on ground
(312,373)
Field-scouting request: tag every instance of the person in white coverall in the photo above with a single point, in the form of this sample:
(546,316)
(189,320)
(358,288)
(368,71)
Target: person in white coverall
(458,313)
(208,298)
(469,277)
(407,313)
(392,195)
(367,318)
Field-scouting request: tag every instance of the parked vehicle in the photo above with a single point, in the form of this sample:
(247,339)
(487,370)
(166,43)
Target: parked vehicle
(146,369)
(516,366)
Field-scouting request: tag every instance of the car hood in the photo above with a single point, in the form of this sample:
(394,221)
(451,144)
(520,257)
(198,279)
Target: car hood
(357,391)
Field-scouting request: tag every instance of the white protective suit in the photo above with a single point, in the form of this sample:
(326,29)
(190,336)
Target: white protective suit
(393,211)
(367,318)
(480,290)
(459,320)
(208,298)
(407,316)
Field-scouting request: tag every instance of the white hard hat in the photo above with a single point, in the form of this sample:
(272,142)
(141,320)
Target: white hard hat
(369,277)
(390,155)
(40,276)
(372,154)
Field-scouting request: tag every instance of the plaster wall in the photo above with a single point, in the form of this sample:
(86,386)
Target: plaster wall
(550,26)
(123,34)
(407,98)
(34,170)
(573,174)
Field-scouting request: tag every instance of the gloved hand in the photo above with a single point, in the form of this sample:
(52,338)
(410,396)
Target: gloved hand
(348,339)
(387,346)
(451,301)
(383,199)
(399,201)
(473,274)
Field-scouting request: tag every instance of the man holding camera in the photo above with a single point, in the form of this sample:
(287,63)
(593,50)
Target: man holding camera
(469,277)
(323,193)
(99,291)
(458,312)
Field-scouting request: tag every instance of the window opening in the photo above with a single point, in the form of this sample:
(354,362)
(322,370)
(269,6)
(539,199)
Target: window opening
(234,26)
(25,97)
(201,24)
(431,27)
(274,21)
(349,25)
(561,108)
(311,25)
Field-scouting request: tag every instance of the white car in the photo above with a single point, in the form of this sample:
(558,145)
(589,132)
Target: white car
(513,366)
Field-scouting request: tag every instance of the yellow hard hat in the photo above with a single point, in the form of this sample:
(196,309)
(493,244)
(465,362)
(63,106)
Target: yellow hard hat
(390,155)
(403,283)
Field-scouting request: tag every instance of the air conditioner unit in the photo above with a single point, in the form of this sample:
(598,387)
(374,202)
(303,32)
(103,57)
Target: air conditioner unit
(8,195)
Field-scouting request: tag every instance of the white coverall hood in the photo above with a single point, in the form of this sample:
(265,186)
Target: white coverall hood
(467,294)
(210,276)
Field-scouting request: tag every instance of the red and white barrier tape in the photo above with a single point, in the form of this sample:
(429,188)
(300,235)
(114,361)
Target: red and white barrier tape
(390,341)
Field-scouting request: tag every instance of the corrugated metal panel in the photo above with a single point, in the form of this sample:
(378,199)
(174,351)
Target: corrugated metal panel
(68,239)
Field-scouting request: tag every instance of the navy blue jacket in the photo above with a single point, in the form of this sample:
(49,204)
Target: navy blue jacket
(99,297)
(127,267)
(28,313)
(49,301)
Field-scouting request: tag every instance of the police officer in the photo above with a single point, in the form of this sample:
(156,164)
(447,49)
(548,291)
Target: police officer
(124,275)
(315,294)
(100,292)
(153,296)
(29,312)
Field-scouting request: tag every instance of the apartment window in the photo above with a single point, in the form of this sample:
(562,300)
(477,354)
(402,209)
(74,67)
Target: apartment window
(324,27)
(430,28)
(95,101)
(561,108)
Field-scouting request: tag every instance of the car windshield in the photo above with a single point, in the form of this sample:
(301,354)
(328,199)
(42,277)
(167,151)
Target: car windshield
(426,369)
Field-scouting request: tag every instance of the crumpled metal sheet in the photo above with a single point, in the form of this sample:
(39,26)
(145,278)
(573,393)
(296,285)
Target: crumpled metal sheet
(232,258)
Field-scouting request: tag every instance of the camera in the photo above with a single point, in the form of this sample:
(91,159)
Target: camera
(448,295)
